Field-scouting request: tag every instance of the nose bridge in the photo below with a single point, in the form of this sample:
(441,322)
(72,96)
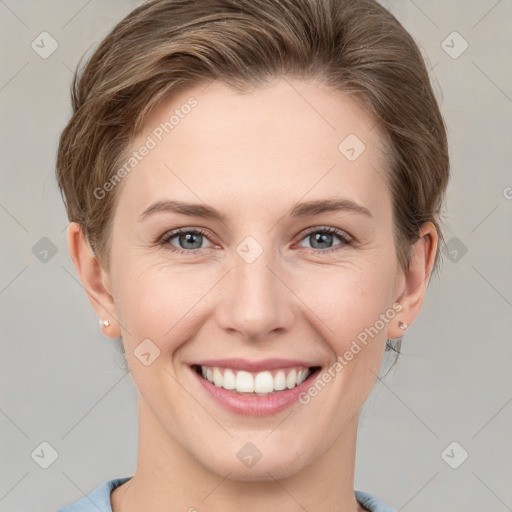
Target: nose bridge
(256,302)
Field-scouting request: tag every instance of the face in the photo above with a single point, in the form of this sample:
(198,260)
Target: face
(274,282)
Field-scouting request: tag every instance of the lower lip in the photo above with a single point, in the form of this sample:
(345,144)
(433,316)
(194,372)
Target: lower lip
(255,405)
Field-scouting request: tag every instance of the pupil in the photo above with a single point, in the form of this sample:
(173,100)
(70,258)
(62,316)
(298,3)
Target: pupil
(322,238)
(188,238)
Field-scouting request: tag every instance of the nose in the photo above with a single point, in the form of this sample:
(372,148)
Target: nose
(255,299)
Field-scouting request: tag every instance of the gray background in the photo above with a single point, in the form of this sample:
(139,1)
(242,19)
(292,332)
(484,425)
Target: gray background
(62,381)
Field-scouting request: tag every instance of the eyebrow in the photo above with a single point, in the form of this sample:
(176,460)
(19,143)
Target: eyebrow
(305,209)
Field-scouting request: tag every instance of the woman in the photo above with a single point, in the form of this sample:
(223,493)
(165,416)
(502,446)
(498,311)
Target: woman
(254,191)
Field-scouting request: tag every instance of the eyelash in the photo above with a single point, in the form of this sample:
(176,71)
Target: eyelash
(345,239)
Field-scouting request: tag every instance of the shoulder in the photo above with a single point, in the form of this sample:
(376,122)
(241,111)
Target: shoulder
(371,503)
(98,499)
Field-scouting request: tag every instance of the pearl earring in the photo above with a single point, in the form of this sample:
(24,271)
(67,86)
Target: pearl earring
(402,325)
(105,323)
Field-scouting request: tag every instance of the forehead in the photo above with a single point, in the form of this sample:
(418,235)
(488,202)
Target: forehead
(280,142)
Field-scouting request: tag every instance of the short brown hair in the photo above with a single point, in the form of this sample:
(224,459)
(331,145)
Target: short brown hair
(354,46)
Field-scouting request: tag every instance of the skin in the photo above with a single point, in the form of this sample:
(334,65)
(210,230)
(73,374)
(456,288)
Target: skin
(252,156)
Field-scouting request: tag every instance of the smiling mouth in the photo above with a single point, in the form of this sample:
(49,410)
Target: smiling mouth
(264,383)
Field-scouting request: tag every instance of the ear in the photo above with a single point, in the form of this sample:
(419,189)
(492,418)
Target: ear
(416,278)
(94,278)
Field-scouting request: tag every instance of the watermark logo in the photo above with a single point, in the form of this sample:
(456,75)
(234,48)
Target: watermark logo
(146,352)
(249,454)
(454,45)
(151,142)
(343,360)
(44,455)
(351,147)
(454,249)
(454,455)
(44,250)
(44,45)
(249,249)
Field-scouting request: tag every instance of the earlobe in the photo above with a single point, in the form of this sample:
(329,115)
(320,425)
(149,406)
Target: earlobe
(94,280)
(417,277)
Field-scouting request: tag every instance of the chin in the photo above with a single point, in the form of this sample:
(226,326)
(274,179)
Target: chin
(271,465)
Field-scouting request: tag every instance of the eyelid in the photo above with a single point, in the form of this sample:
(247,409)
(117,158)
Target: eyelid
(346,239)
(165,239)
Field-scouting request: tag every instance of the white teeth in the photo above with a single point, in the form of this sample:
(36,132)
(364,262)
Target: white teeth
(229,380)
(280,381)
(261,383)
(217,377)
(291,379)
(264,383)
(244,382)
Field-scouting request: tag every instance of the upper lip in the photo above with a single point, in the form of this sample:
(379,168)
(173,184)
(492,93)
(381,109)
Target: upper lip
(255,366)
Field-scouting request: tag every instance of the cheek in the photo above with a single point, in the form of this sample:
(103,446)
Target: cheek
(349,303)
(159,302)
(353,316)
(347,314)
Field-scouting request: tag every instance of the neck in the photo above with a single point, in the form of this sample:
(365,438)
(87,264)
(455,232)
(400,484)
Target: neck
(167,474)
